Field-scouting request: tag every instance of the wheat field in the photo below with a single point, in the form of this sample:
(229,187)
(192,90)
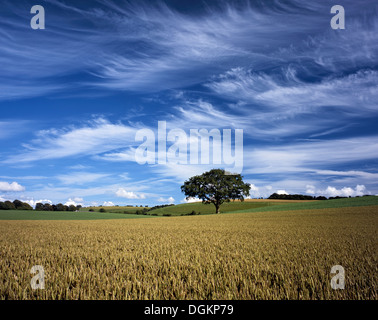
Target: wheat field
(267,255)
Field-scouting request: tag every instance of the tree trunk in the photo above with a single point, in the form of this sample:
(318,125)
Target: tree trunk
(217,208)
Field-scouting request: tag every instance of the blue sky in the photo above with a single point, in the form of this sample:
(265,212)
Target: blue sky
(73,96)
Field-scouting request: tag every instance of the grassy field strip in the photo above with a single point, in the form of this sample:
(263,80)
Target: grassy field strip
(280,255)
(324,204)
(54,215)
(119,212)
(189,208)
(185,209)
(201,208)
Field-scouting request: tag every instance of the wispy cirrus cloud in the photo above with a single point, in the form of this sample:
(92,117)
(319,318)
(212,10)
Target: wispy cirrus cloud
(24,177)
(320,154)
(285,93)
(119,156)
(11,128)
(150,47)
(283,104)
(91,138)
(80,178)
(272,68)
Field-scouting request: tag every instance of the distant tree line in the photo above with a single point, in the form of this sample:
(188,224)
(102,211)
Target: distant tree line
(304,197)
(19,205)
(15,205)
(295,197)
(160,206)
(145,210)
(142,211)
(56,207)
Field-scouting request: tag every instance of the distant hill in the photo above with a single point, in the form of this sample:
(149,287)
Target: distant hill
(249,205)
(309,205)
(196,208)
(186,208)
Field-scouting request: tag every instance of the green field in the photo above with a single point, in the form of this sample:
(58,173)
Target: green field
(114,209)
(130,212)
(185,209)
(54,215)
(251,206)
(313,205)
(198,207)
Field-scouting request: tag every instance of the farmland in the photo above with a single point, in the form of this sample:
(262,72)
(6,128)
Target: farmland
(248,255)
(249,205)
(188,208)
(56,215)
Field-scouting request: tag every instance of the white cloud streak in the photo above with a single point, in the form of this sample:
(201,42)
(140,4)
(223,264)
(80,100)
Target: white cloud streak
(94,137)
(152,47)
(79,178)
(330,191)
(122,193)
(75,202)
(301,156)
(169,200)
(11,187)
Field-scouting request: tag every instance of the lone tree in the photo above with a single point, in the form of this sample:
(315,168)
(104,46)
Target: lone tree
(217,187)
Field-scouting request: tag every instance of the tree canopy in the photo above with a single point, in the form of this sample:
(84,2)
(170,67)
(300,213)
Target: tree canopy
(216,187)
(15,205)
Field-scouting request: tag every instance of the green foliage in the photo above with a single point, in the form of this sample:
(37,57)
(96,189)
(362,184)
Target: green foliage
(295,197)
(187,208)
(60,207)
(7,205)
(102,210)
(160,206)
(142,211)
(216,187)
(193,213)
(15,205)
(25,206)
(39,207)
(52,207)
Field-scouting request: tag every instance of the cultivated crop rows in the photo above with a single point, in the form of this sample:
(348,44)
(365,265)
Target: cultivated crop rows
(273,255)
